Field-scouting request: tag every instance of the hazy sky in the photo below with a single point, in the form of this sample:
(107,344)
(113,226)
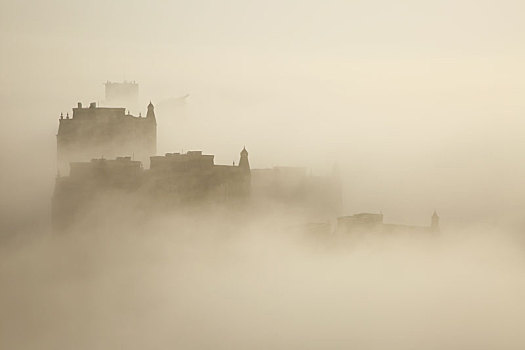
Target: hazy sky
(420,102)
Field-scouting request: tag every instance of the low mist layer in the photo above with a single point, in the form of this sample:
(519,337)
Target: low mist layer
(198,282)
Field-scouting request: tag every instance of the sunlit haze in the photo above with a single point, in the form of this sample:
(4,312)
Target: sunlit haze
(415,107)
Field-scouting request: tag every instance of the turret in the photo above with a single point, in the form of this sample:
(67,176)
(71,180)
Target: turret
(434,225)
(151,124)
(151,113)
(243,162)
(244,167)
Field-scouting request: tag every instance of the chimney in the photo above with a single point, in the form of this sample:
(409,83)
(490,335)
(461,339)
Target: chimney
(92,105)
(79,105)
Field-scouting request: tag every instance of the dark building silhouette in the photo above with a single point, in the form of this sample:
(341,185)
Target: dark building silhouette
(194,177)
(173,180)
(368,222)
(94,132)
(77,193)
(111,155)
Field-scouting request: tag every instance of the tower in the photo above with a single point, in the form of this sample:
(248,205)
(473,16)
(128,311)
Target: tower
(124,94)
(244,164)
(151,112)
(151,129)
(245,173)
(434,223)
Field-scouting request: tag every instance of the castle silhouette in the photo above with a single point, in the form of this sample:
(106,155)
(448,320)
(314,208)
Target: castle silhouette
(104,151)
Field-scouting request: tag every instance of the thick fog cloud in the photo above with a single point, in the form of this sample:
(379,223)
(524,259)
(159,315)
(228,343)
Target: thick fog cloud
(197,282)
(419,104)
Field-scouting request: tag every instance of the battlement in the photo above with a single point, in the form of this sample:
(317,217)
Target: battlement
(124,83)
(93,112)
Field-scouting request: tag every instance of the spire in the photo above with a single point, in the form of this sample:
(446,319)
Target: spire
(151,112)
(244,163)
